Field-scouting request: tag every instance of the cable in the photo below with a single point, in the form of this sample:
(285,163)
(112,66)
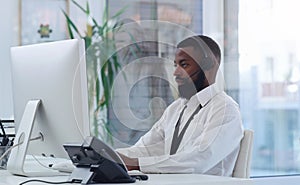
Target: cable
(8,150)
(40,163)
(48,182)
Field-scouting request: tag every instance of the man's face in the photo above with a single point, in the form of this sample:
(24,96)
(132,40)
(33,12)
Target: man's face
(188,74)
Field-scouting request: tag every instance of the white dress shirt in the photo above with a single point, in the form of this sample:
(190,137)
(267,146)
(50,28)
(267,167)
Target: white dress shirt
(210,144)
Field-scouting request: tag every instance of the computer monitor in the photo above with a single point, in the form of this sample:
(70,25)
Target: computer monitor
(50,102)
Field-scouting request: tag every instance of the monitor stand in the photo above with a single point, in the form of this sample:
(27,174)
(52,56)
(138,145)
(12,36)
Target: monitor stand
(18,156)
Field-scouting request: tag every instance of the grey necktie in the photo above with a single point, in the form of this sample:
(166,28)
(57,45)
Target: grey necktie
(178,137)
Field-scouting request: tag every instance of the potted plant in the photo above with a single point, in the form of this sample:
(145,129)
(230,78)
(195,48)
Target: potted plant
(102,65)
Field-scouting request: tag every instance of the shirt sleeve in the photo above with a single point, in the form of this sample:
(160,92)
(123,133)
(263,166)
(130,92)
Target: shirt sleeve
(221,136)
(152,143)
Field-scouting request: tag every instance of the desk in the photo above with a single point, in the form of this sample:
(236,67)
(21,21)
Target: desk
(156,179)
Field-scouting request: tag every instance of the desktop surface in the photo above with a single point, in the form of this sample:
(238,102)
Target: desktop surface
(7,179)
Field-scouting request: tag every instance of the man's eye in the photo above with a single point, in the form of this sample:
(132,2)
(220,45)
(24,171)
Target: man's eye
(184,65)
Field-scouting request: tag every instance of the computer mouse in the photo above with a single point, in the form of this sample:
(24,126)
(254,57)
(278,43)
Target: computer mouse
(66,166)
(138,175)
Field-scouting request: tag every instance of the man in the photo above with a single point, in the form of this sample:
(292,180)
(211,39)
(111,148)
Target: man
(201,131)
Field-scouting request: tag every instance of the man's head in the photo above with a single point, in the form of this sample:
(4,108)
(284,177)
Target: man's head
(197,60)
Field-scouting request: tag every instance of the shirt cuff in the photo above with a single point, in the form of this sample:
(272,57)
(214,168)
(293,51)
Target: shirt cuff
(151,164)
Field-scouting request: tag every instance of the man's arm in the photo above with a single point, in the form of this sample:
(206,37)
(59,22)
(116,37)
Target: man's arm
(152,143)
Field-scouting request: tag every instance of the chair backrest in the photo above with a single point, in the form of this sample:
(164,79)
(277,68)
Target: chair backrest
(243,162)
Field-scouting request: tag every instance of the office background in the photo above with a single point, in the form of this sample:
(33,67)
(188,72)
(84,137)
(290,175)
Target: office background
(260,46)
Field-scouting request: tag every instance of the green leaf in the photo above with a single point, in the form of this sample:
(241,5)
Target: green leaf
(135,43)
(121,11)
(88,42)
(95,22)
(105,83)
(104,27)
(110,73)
(68,24)
(97,88)
(87,8)
(71,25)
(80,7)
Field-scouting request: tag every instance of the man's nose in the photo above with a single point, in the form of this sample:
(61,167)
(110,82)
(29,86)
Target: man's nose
(177,71)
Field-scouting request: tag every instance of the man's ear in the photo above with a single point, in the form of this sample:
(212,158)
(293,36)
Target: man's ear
(211,73)
(207,63)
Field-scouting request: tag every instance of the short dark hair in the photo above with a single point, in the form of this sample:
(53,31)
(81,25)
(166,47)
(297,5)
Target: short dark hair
(202,43)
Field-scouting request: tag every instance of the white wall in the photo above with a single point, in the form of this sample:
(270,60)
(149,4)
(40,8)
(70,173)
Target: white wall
(8,38)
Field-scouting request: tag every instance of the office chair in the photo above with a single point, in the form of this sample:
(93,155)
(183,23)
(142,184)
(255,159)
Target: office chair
(243,162)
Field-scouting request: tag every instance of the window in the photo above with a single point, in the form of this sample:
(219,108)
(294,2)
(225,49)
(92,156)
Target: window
(269,77)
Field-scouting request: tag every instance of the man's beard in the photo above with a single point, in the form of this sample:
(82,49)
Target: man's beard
(190,88)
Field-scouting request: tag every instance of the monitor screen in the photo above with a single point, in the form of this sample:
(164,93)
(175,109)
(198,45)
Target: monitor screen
(55,74)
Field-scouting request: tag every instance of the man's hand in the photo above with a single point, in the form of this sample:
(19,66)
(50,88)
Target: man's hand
(131,163)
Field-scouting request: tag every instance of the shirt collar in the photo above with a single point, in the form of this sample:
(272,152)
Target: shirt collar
(206,94)
(203,96)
